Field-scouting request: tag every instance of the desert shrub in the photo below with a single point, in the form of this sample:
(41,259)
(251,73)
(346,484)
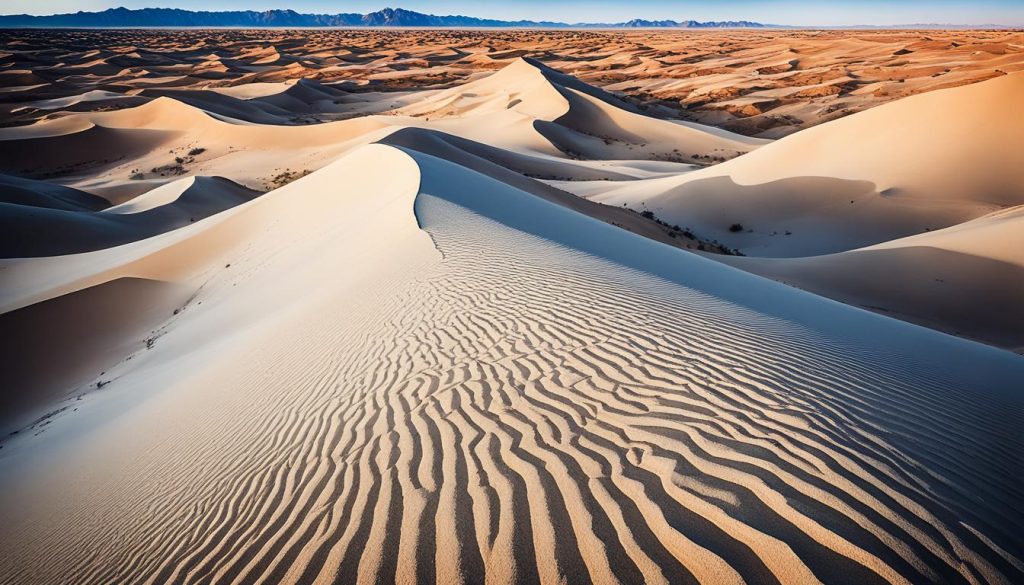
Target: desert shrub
(287,177)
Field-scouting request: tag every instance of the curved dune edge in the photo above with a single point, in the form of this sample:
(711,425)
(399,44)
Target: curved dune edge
(927,162)
(184,253)
(74,229)
(118,154)
(85,332)
(406,370)
(910,278)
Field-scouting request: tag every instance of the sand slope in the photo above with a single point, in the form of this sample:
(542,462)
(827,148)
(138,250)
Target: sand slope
(447,378)
(575,118)
(967,280)
(853,209)
(70,230)
(925,162)
(445,345)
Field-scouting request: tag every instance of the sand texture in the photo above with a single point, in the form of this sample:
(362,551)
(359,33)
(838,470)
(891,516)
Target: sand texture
(283,312)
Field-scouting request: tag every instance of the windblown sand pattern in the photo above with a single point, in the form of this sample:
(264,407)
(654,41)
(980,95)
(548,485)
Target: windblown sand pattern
(511,408)
(467,342)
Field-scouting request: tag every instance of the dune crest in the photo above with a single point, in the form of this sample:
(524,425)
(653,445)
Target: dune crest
(835,208)
(311,332)
(655,455)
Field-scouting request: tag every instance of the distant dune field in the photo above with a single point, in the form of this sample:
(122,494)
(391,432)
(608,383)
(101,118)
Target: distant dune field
(511,307)
(766,83)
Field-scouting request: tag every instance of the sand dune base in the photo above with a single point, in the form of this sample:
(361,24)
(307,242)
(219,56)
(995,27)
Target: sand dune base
(489,398)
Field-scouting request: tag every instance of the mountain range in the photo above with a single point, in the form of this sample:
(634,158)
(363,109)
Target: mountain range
(397,17)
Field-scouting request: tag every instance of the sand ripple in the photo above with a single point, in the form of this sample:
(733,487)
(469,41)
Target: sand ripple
(520,411)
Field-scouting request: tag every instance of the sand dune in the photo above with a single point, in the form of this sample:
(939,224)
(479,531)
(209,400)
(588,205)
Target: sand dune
(856,200)
(966,279)
(303,102)
(871,177)
(74,230)
(768,83)
(119,155)
(575,118)
(509,422)
(460,337)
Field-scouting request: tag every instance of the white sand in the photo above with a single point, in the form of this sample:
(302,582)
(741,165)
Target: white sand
(418,364)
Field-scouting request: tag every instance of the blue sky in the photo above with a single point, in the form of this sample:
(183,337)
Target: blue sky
(796,12)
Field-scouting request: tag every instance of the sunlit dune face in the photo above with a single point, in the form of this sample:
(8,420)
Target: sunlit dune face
(462,306)
(758,83)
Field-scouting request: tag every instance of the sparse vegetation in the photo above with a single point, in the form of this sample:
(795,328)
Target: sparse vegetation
(175,169)
(282,179)
(674,231)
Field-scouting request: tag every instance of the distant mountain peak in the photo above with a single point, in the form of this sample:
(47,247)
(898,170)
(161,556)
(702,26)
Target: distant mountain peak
(122,17)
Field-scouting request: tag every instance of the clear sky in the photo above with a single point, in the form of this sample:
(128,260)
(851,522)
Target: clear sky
(795,12)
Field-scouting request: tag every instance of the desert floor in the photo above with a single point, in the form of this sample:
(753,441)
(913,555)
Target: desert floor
(511,306)
(757,83)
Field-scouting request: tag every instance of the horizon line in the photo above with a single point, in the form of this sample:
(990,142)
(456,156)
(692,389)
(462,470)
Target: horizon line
(540,23)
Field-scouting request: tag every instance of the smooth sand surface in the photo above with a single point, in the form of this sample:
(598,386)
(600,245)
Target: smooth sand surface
(455,334)
(836,208)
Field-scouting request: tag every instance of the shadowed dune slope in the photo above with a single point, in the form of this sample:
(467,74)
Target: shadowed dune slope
(29,193)
(493,163)
(966,280)
(84,332)
(922,163)
(71,231)
(575,118)
(411,371)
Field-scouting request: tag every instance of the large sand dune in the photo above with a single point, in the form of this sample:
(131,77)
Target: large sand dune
(982,261)
(461,377)
(442,343)
(30,230)
(848,200)
(923,163)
